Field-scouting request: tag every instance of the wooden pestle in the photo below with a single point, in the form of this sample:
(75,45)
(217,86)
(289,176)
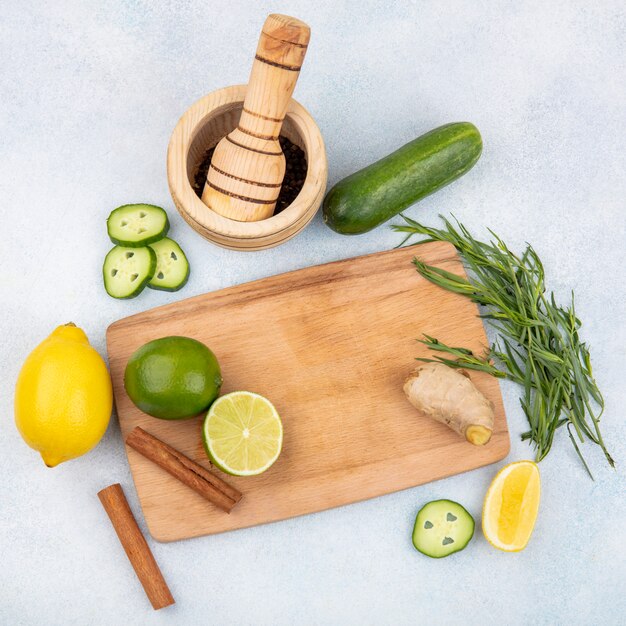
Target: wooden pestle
(248,165)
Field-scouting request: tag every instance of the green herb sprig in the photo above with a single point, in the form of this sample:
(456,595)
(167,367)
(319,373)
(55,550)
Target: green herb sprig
(538,347)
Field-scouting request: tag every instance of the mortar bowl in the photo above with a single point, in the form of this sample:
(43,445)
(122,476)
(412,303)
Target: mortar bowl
(199,129)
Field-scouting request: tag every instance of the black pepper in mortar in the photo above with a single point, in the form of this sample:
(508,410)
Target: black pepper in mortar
(295,173)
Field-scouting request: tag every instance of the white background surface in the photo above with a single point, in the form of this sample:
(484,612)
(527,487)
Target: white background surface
(89,94)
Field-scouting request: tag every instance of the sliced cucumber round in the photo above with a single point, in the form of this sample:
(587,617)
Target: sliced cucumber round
(172,269)
(442,527)
(137,225)
(126,271)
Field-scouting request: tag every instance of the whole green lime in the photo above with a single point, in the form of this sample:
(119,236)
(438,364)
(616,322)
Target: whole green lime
(173,378)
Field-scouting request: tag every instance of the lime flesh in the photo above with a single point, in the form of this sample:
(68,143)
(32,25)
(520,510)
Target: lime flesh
(243,433)
(173,378)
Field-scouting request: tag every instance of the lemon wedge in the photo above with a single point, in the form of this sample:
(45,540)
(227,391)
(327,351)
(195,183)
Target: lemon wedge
(511,506)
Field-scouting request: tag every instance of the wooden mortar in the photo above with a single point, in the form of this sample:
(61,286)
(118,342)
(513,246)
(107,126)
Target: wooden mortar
(201,127)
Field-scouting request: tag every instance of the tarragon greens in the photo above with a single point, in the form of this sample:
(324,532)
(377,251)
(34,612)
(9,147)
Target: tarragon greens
(538,345)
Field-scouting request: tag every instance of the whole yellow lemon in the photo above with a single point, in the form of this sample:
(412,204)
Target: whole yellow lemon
(63,396)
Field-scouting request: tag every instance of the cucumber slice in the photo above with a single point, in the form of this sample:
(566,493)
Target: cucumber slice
(137,225)
(126,271)
(442,527)
(172,270)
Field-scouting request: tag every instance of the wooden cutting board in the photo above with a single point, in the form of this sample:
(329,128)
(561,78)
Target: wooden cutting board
(330,346)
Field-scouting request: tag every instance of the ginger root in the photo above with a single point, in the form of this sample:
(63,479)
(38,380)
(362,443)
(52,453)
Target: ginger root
(450,397)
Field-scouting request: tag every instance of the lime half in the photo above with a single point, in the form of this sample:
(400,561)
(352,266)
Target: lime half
(242,433)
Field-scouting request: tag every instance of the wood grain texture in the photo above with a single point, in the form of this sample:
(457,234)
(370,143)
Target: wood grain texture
(331,347)
(200,128)
(250,160)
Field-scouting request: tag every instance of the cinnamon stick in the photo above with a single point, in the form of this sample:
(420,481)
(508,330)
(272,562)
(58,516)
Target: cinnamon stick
(196,477)
(136,548)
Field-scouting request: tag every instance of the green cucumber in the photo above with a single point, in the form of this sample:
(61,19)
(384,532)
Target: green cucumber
(442,527)
(376,193)
(137,225)
(126,271)
(172,269)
